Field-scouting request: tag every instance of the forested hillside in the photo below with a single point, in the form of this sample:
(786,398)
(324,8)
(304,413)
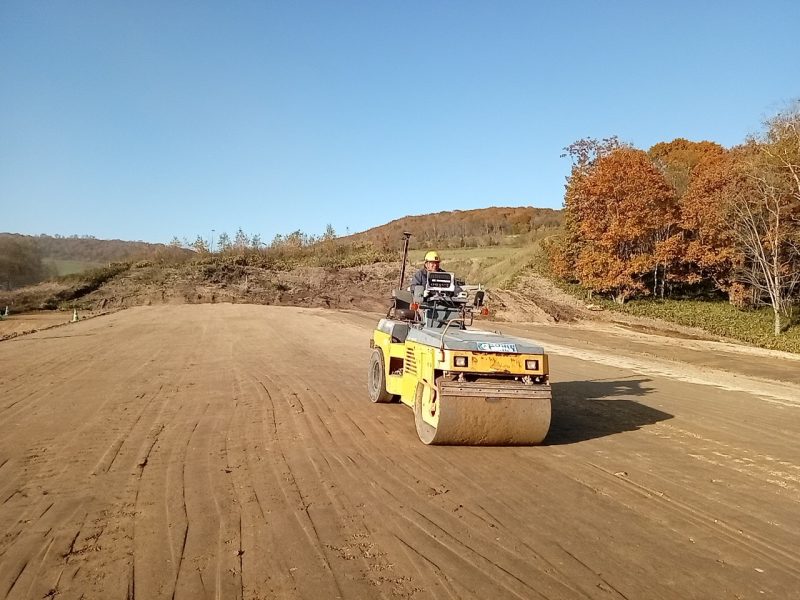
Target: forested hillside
(27,259)
(464,228)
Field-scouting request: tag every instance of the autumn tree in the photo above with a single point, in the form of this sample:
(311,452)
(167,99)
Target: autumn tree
(708,248)
(563,250)
(620,213)
(678,159)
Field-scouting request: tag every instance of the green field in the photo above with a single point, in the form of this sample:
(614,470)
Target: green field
(61,267)
(492,266)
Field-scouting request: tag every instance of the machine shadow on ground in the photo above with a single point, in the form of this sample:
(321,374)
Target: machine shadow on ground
(585,410)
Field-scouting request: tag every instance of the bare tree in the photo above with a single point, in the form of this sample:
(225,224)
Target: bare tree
(766,232)
(766,215)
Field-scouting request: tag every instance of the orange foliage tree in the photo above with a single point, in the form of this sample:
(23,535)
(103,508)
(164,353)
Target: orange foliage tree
(709,251)
(622,214)
(678,159)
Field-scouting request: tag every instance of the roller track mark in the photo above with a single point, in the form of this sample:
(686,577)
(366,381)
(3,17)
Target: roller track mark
(34,579)
(494,520)
(46,510)
(397,502)
(468,510)
(761,464)
(436,568)
(476,553)
(9,540)
(361,431)
(304,505)
(559,579)
(40,374)
(272,404)
(374,568)
(116,446)
(555,574)
(760,547)
(3,464)
(324,427)
(71,550)
(599,575)
(567,582)
(241,559)
(307,524)
(16,579)
(12,405)
(179,563)
(559,582)
(220,541)
(131,593)
(142,463)
(14,493)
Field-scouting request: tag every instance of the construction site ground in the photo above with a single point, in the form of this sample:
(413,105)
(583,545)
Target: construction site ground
(230,451)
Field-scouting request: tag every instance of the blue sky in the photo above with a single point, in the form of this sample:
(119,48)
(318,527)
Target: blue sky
(144,120)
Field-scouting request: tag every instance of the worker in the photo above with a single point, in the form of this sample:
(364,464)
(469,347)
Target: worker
(432,262)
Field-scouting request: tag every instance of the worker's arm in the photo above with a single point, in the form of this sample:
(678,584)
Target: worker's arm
(420,278)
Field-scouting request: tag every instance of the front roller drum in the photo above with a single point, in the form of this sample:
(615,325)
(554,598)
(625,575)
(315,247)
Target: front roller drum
(507,413)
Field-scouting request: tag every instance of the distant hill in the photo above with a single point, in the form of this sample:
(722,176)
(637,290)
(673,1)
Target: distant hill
(463,228)
(86,249)
(26,259)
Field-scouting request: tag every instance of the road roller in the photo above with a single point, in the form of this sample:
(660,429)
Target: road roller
(466,386)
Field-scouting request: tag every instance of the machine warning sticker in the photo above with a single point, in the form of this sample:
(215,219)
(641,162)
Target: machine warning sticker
(496,347)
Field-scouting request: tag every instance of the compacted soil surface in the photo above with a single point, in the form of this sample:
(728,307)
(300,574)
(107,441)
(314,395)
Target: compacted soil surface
(230,451)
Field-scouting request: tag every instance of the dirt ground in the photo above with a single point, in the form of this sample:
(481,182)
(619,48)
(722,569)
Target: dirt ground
(230,451)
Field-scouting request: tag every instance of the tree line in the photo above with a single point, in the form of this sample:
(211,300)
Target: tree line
(241,241)
(687,219)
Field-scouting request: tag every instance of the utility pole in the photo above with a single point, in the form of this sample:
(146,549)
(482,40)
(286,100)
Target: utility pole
(212,242)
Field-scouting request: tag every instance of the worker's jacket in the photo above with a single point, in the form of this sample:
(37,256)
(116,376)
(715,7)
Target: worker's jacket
(420,278)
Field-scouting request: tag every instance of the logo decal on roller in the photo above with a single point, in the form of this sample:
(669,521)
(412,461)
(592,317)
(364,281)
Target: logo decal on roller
(496,347)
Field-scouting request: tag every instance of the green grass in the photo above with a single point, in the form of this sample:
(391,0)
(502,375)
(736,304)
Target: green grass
(719,317)
(492,266)
(62,267)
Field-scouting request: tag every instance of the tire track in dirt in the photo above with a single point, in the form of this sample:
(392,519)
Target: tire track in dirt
(520,451)
(253,466)
(499,568)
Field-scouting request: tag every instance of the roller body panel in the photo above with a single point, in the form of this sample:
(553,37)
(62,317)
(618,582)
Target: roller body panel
(467,387)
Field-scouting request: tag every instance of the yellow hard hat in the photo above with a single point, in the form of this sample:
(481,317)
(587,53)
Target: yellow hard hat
(432,256)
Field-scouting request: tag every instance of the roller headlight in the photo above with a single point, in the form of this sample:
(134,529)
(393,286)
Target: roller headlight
(532,365)
(460,361)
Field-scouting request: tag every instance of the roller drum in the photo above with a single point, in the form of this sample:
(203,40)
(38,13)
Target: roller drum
(503,413)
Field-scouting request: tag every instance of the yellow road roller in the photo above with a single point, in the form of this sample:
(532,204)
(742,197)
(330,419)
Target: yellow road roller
(466,386)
